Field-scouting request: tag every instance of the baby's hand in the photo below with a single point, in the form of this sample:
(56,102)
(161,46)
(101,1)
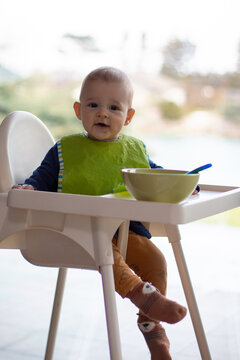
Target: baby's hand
(23,187)
(196,191)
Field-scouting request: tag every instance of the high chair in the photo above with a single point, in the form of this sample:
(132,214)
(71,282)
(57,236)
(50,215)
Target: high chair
(75,231)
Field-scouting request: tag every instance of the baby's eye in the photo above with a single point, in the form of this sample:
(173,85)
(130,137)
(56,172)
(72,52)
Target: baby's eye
(93,105)
(114,107)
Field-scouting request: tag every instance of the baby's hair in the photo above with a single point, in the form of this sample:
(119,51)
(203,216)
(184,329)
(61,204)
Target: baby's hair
(109,74)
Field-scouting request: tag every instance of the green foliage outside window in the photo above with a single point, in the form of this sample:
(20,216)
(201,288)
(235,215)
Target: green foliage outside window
(46,98)
(232,112)
(170,110)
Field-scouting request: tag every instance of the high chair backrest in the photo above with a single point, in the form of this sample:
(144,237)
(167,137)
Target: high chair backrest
(24,141)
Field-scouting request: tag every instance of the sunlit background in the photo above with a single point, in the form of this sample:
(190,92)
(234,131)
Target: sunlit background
(183,58)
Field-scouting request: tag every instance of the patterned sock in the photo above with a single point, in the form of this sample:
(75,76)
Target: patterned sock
(155,338)
(156,306)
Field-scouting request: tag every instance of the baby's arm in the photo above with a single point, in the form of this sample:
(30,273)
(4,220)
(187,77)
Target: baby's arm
(45,177)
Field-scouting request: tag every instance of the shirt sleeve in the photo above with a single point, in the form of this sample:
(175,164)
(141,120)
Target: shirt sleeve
(45,177)
(152,164)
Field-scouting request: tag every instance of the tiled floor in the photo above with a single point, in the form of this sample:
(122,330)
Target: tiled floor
(26,294)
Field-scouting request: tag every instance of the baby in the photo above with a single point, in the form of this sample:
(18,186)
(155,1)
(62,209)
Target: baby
(90,163)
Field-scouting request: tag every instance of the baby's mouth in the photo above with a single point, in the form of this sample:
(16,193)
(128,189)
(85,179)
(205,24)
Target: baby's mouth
(102,124)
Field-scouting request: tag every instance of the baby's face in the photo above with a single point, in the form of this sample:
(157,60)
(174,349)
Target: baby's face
(105,109)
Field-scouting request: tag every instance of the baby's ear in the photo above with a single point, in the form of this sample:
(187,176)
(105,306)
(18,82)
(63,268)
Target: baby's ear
(130,115)
(77,109)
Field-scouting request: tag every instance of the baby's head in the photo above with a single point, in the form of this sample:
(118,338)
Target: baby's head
(109,75)
(105,103)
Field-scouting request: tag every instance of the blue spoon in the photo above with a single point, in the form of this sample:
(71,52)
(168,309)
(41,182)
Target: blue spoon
(200,168)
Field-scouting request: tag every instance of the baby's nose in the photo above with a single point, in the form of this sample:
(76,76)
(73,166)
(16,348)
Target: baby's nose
(102,112)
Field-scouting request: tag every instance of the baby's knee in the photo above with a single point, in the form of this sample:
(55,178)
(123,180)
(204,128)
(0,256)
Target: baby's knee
(158,277)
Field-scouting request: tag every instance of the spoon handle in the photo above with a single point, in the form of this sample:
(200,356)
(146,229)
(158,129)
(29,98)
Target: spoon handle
(200,168)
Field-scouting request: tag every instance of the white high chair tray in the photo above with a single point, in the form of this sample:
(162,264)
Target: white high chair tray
(211,200)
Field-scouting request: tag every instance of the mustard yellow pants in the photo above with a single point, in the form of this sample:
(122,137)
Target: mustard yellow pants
(144,262)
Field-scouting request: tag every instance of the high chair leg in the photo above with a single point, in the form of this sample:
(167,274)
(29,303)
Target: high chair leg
(62,273)
(111,312)
(122,242)
(174,238)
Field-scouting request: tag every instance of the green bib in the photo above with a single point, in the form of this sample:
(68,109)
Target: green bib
(91,167)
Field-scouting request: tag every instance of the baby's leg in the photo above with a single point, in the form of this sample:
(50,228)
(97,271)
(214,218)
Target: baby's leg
(155,305)
(125,280)
(143,295)
(155,338)
(150,265)
(147,261)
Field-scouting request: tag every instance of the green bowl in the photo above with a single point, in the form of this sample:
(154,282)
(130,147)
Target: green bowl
(171,186)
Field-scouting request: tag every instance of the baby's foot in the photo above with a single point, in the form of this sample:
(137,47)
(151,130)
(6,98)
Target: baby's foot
(156,306)
(155,338)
